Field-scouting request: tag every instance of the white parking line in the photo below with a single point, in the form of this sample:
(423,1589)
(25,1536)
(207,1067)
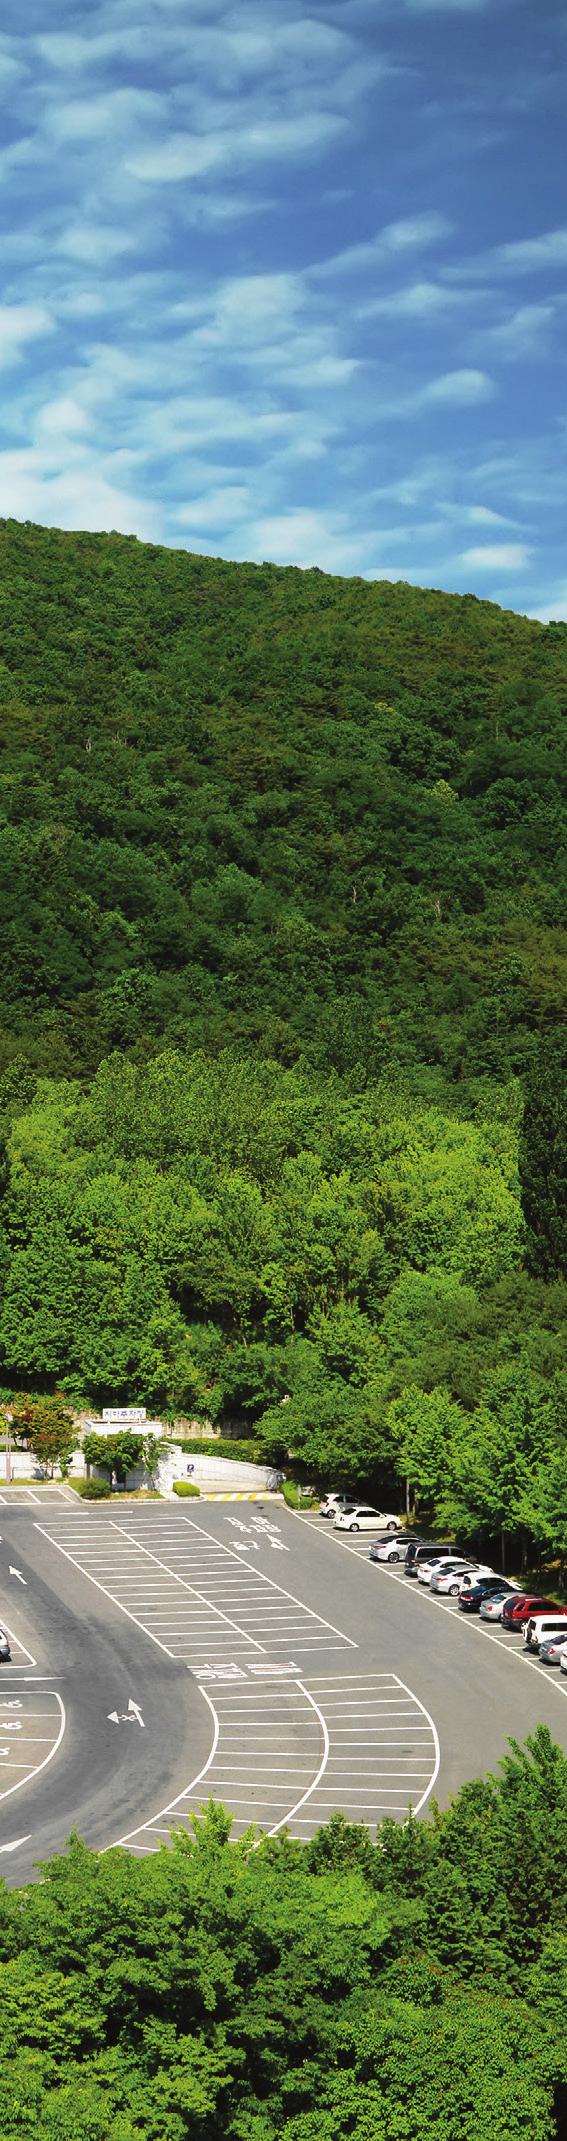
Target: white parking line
(197,1603)
(32,1769)
(266,1581)
(416,1590)
(266,1746)
(16,1644)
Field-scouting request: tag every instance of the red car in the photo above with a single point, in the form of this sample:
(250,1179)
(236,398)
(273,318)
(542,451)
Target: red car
(520,1607)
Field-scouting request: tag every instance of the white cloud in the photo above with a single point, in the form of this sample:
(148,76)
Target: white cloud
(93,244)
(518,256)
(217,509)
(114,111)
(61,419)
(304,536)
(525,255)
(418,301)
(180,156)
(456,390)
(554,612)
(184,156)
(71,491)
(525,333)
(20,324)
(497,557)
(11,71)
(484,517)
(409,234)
(248,307)
(158,159)
(462,389)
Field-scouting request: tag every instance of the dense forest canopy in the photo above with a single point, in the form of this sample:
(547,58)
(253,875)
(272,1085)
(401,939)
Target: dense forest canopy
(310,816)
(282,958)
(326,1991)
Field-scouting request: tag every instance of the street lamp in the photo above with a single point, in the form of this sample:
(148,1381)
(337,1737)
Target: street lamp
(8,1416)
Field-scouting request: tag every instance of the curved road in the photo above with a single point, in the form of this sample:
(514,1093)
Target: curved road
(239,1652)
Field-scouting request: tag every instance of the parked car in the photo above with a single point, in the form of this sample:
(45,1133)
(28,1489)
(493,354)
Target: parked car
(435,1563)
(563,1661)
(480,1571)
(332,1502)
(448,1578)
(393,1548)
(5,1652)
(459,1578)
(427,1550)
(551,1646)
(542,1624)
(484,1591)
(361,1517)
(517,1610)
(493,1603)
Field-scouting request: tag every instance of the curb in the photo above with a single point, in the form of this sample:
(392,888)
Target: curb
(257,1494)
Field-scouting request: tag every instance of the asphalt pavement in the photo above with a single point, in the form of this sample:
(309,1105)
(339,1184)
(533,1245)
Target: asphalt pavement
(162,1656)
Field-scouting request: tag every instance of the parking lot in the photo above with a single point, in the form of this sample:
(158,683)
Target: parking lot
(292,1754)
(247,1655)
(471,1625)
(288,1743)
(195,1594)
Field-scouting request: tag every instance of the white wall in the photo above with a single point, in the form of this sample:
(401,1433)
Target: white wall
(214,1473)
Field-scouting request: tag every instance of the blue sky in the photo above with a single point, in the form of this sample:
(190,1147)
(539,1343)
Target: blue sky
(291,283)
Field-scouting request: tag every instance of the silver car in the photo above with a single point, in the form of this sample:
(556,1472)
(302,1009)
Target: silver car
(491,1607)
(551,1647)
(5,1652)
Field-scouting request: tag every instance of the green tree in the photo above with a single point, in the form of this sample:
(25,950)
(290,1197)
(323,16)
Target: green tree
(426,1427)
(117,1454)
(47,1427)
(543,1163)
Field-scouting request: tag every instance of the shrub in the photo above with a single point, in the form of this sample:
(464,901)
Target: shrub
(245,1450)
(93,1490)
(290,1495)
(185,1486)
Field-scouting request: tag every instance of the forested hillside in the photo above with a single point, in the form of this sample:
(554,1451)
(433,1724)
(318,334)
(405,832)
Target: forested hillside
(283,952)
(317,817)
(325,1991)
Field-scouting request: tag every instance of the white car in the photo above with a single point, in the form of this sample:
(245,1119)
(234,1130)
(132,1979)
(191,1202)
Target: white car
(543,1624)
(474,1570)
(452,1581)
(439,1563)
(333,1502)
(362,1518)
(563,1661)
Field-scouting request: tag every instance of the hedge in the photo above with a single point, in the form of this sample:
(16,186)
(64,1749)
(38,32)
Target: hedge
(93,1490)
(185,1486)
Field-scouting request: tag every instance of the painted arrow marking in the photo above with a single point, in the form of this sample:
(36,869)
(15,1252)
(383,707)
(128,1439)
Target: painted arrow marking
(131,1716)
(17,1845)
(18,1573)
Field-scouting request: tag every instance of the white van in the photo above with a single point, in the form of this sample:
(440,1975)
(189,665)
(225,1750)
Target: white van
(543,1624)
